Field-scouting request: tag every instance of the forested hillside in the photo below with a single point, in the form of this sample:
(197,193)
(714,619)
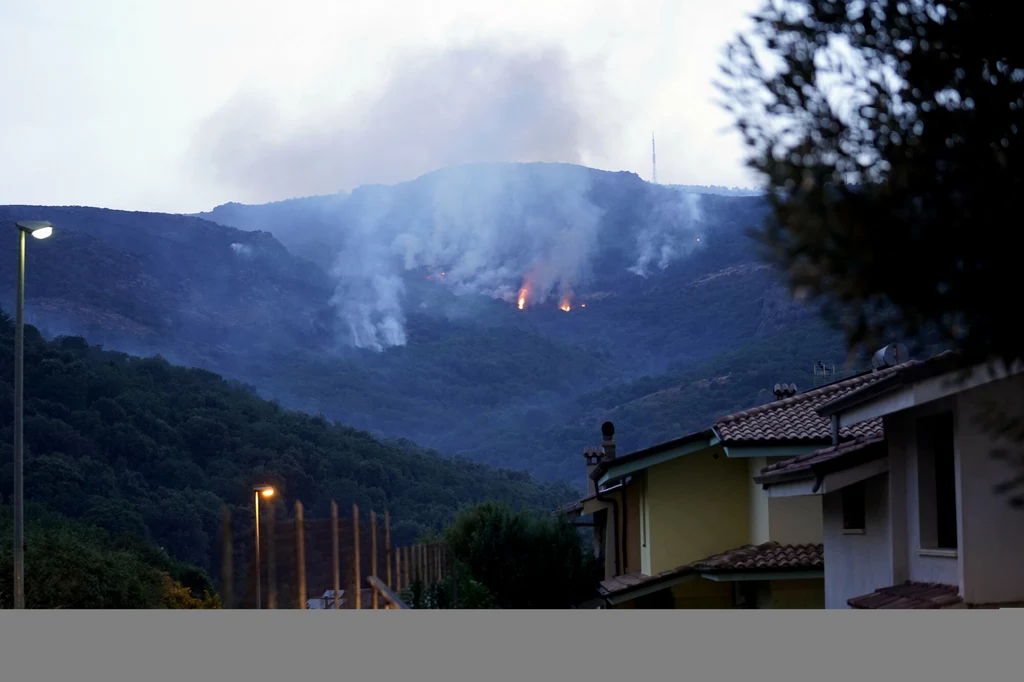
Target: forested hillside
(661,284)
(154,450)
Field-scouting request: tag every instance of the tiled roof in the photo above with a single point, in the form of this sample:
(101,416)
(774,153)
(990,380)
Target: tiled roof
(769,556)
(836,457)
(909,595)
(902,374)
(631,581)
(796,419)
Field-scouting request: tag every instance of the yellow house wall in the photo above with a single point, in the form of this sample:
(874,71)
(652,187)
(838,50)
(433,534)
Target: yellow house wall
(697,505)
(798,594)
(703,594)
(631,517)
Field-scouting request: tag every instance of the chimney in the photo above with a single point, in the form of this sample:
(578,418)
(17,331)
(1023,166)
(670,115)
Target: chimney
(593,456)
(784,391)
(608,440)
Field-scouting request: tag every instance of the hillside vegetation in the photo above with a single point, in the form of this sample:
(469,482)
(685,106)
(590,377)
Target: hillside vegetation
(143,447)
(260,294)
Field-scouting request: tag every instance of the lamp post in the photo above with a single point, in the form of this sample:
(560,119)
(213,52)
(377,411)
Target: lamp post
(40,229)
(265,491)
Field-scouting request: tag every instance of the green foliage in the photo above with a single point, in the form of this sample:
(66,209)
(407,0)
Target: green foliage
(887,135)
(73,565)
(516,560)
(143,447)
(441,595)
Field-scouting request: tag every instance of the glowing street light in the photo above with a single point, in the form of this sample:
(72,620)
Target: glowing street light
(257,491)
(40,229)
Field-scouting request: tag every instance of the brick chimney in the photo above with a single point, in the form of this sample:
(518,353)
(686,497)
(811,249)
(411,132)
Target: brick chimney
(593,457)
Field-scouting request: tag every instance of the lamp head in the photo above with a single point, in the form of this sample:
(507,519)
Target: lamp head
(264,490)
(40,229)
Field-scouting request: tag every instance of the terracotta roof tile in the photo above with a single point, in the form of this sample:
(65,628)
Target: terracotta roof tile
(909,595)
(796,419)
(769,556)
(631,581)
(836,455)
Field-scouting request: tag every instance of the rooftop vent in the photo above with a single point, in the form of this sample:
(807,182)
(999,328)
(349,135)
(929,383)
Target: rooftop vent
(784,391)
(890,356)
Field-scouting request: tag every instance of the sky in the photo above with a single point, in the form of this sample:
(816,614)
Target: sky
(181,105)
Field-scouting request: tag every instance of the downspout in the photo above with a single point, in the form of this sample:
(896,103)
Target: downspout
(615,525)
(625,519)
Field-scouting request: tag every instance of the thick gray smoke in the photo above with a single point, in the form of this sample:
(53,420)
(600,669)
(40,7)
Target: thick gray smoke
(489,228)
(442,108)
(478,228)
(673,231)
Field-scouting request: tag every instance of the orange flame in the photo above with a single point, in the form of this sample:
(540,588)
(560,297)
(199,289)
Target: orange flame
(522,298)
(566,302)
(566,307)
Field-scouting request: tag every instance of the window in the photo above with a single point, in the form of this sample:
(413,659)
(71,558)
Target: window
(936,472)
(854,513)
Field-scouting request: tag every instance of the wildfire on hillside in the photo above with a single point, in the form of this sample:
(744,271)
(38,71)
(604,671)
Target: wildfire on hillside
(566,303)
(522,298)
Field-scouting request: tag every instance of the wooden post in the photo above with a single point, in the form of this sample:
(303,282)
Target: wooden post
(357,586)
(373,552)
(227,574)
(300,549)
(408,567)
(455,581)
(398,569)
(271,556)
(387,548)
(336,554)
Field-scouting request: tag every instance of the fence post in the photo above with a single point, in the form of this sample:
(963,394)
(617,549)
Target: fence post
(398,570)
(387,547)
(271,555)
(423,565)
(373,553)
(455,580)
(357,587)
(227,586)
(408,566)
(300,549)
(335,554)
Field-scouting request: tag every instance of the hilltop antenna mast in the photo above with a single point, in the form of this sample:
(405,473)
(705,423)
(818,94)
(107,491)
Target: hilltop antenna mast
(654,163)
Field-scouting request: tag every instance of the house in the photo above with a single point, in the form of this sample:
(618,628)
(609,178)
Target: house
(682,524)
(911,515)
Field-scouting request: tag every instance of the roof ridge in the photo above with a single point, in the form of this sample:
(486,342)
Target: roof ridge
(813,393)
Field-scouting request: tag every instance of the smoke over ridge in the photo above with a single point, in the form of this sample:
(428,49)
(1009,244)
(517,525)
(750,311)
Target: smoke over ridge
(492,229)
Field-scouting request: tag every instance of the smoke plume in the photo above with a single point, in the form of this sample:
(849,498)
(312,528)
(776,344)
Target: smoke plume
(502,230)
(460,105)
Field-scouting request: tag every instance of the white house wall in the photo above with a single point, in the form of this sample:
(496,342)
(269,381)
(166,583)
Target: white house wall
(857,564)
(991,535)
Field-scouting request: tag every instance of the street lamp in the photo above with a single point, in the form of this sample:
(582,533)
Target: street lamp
(40,229)
(257,491)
